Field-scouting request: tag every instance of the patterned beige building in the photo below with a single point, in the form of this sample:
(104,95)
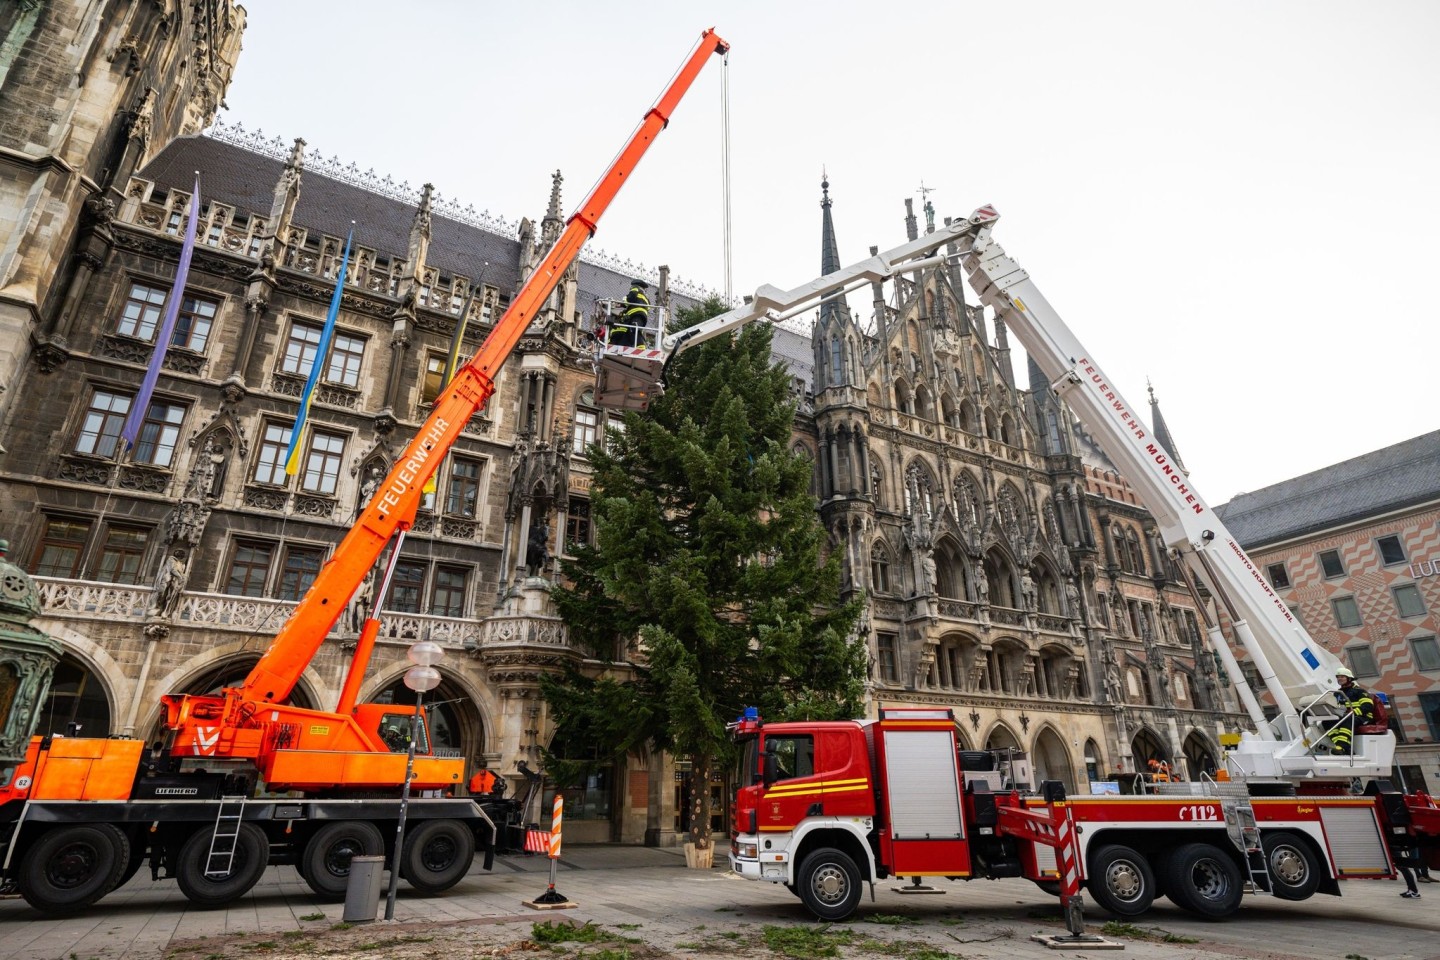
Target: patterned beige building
(1354,550)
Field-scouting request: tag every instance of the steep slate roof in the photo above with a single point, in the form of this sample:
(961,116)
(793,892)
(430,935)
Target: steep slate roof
(241,178)
(1391,478)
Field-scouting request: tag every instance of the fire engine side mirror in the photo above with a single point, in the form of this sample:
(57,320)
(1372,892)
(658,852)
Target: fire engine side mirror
(769,766)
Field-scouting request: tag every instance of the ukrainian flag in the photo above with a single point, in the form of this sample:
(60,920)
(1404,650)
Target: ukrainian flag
(322,351)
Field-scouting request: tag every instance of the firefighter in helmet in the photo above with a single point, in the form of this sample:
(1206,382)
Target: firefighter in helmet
(1362,710)
(630,330)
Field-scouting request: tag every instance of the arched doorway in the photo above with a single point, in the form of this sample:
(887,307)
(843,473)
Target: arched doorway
(1052,760)
(1146,746)
(456,729)
(76,696)
(1199,757)
(1008,753)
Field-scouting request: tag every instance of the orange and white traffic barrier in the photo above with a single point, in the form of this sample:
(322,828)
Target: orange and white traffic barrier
(556,817)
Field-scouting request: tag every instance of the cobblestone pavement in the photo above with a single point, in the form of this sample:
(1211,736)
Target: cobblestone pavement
(649,906)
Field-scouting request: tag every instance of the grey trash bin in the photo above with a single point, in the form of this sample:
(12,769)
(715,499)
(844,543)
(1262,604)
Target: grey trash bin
(362,891)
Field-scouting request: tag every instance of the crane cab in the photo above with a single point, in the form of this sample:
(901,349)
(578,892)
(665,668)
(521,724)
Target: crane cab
(628,361)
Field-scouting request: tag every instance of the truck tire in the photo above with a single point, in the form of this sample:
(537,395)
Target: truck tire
(829,884)
(1121,881)
(1294,871)
(438,854)
(1204,880)
(252,855)
(327,856)
(69,868)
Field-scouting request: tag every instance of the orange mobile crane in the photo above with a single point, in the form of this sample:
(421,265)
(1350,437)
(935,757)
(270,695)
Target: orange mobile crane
(246,779)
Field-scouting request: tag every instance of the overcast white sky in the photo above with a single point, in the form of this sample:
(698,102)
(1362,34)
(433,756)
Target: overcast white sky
(1236,200)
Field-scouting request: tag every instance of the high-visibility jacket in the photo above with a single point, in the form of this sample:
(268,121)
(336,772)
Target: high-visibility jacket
(1361,702)
(637,307)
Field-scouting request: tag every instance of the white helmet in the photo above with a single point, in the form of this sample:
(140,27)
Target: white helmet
(1344,672)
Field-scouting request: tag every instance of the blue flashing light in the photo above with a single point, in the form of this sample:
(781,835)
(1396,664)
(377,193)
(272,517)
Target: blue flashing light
(751,713)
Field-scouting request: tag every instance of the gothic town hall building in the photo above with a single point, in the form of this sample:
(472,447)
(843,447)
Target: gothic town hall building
(1010,573)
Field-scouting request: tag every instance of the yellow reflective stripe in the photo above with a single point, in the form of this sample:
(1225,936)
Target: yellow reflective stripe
(854,783)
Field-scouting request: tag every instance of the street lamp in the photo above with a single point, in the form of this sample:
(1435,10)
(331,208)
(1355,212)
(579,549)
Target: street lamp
(421,678)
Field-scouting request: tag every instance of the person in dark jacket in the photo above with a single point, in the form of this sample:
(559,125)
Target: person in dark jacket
(1362,711)
(629,332)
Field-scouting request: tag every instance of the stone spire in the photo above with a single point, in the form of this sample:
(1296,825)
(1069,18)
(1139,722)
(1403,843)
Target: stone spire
(551,226)
(419,247)
(911,230)
(282,204)
(1161,431)
(836,308)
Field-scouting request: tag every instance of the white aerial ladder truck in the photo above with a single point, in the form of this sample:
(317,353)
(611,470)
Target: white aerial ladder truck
(1298,673)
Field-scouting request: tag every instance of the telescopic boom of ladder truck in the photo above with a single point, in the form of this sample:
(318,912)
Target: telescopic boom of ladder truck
(80,814)
(876,794)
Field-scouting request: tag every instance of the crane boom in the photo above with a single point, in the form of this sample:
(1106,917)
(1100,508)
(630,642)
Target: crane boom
(396,500)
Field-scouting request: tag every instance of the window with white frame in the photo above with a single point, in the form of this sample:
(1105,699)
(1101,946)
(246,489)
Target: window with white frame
(347,352)
(322,462)
(193,323)
(270,460)
(103,421)
(587,427)
(143,310)
(301,346)
(159,433)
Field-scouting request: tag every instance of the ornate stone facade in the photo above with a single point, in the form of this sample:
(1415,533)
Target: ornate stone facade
(1009,575)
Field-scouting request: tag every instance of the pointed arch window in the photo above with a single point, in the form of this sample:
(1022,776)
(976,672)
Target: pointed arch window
(837,360)
(880,569)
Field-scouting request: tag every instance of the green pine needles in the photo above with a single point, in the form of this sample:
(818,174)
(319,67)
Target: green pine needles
(709,572)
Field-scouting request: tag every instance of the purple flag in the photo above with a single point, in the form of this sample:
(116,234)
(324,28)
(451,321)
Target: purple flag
(141,404)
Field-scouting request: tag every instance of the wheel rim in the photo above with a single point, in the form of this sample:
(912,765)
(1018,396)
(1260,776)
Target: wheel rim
(1124,880)
(1210,879)
(830,884)
(72,866)
(1287,864)
(341,852)
(438,854)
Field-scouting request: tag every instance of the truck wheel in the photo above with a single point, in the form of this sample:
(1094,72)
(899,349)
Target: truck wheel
(829,884)
(1121,881)
(69,868)
(1294,873)
(252,855)
(1205,881)
(327,856)
(438,854)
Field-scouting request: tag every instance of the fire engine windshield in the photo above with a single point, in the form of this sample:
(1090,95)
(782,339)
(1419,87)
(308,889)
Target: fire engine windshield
(747,773)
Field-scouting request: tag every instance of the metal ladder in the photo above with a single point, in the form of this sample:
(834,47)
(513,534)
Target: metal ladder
(226,837)
(1245,835)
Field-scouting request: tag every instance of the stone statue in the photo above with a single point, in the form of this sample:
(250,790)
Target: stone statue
(927,573)
(169,585)
(360,604)
(373,476)
(1027,591)
(201,483)
(537,553)
(1072,598)
(982,583)
(1112,682)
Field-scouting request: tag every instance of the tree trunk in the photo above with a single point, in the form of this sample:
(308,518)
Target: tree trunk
(700,800)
